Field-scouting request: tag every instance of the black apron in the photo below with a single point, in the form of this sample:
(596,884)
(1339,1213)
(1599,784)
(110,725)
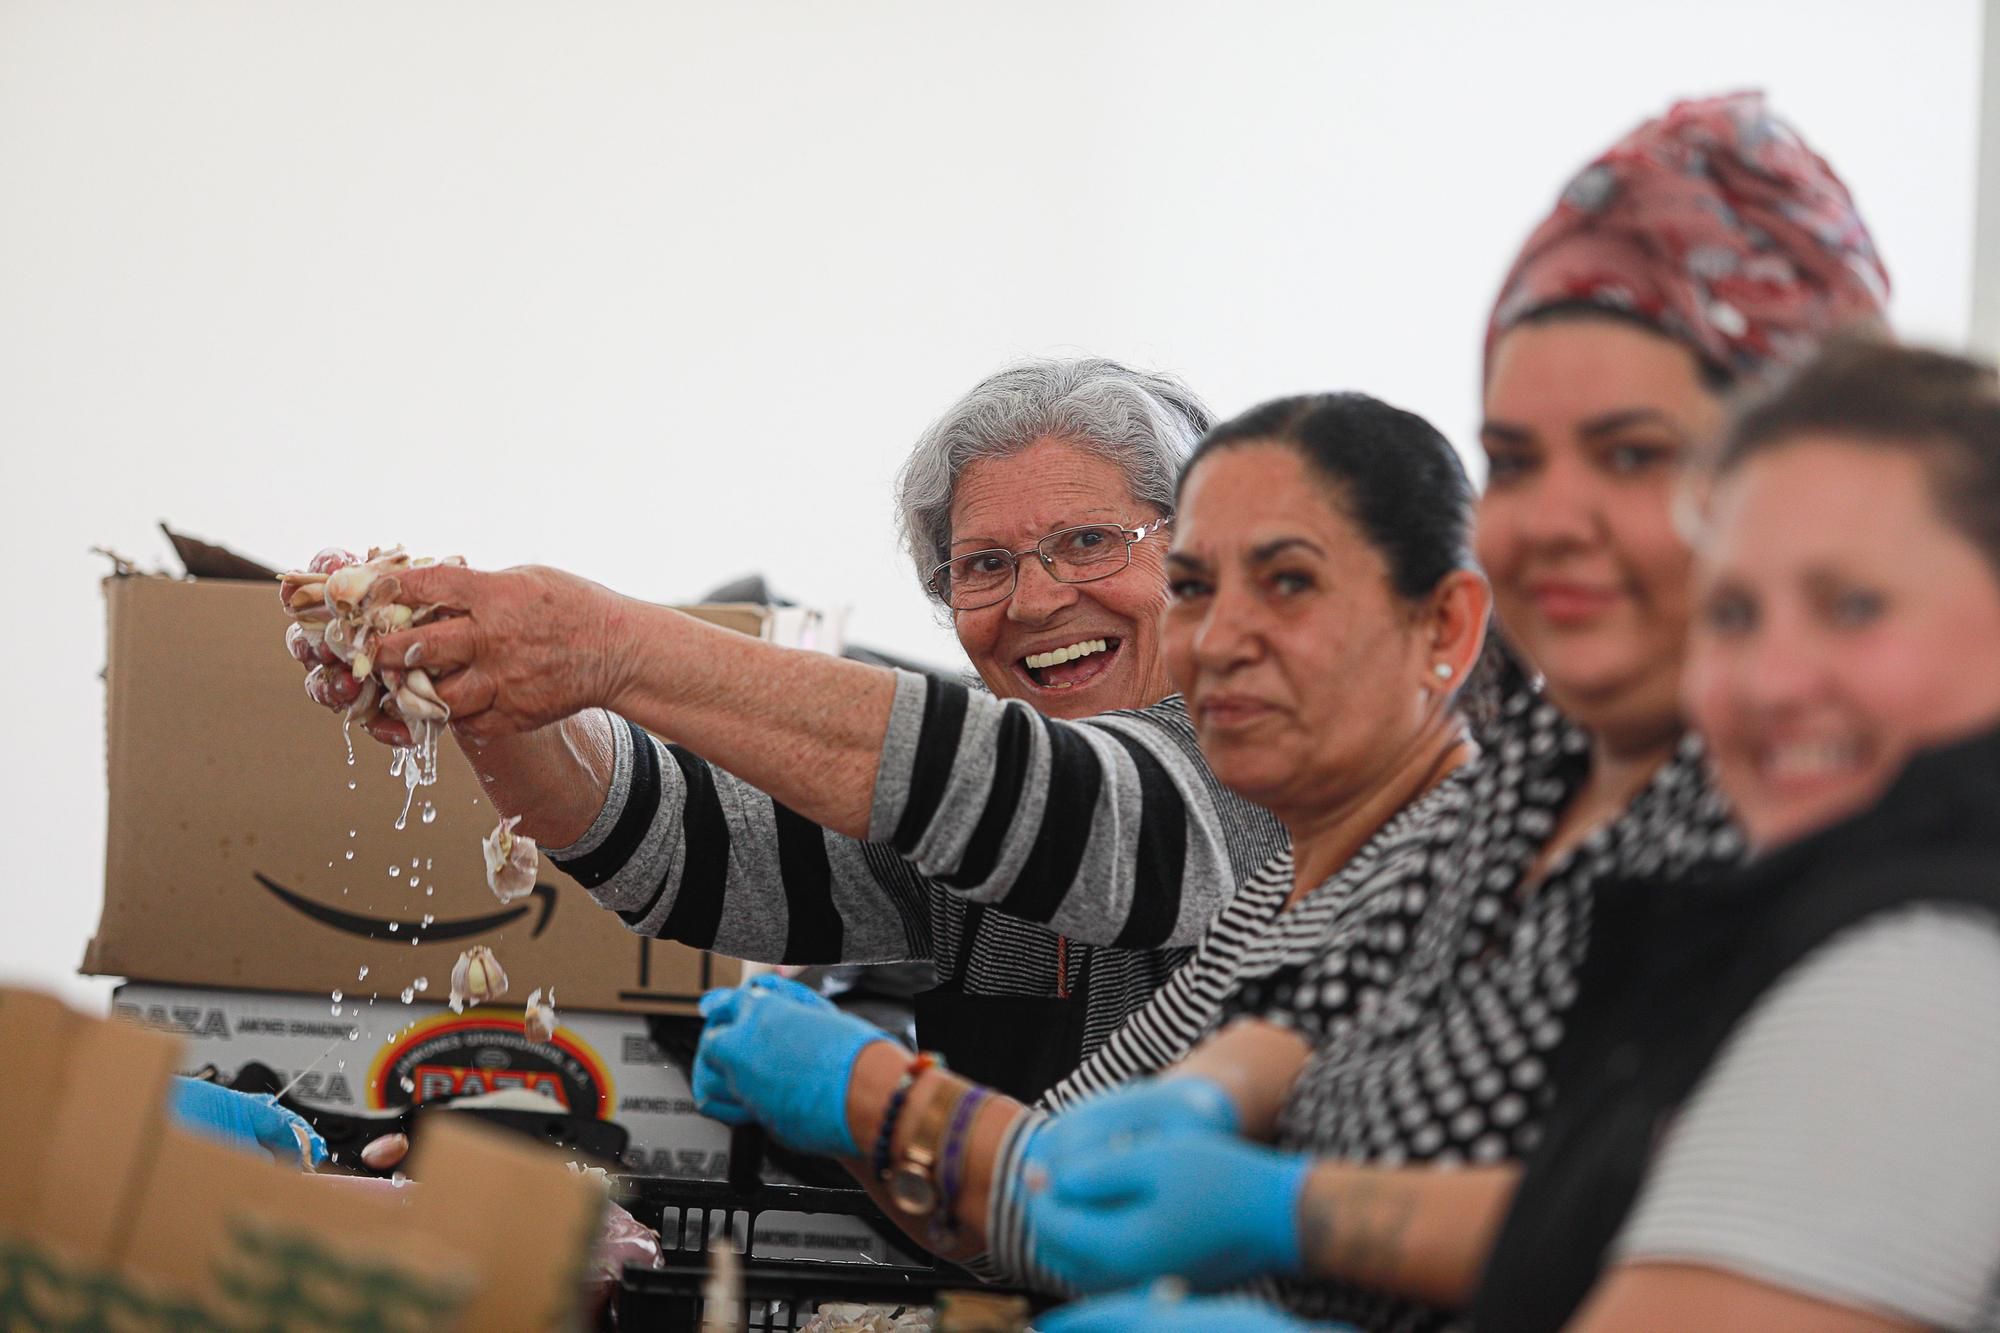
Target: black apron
(1021,1045)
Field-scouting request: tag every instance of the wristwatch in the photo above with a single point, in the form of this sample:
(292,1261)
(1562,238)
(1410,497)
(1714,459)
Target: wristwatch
(913,1183)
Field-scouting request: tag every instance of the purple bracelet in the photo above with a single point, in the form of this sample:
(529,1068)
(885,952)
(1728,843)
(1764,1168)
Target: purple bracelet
(951,1162)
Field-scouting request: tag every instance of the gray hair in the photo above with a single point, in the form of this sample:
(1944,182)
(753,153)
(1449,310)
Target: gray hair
(1145,422)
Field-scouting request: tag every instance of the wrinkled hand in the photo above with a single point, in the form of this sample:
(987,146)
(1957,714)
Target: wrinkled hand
(776,1054)
(515,650)
(329,682)
(242,1120)
(1161,1312)
(1210,1208)
(1155,1107)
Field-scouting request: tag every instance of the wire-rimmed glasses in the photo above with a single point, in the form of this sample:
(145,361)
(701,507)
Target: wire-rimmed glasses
(1081,554)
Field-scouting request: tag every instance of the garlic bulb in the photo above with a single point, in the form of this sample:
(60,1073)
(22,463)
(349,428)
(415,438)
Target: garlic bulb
(540,1024)
(511,860)
(476,976)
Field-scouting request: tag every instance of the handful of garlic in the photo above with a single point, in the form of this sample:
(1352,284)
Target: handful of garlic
(340,605)
(476,976)
(511,861)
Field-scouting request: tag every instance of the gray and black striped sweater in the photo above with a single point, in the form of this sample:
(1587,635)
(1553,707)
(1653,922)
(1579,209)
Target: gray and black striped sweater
(1110,832)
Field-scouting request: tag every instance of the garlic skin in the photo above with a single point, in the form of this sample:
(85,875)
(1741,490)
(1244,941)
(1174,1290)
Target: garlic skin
(511,861)
(540,1023)
(476,976)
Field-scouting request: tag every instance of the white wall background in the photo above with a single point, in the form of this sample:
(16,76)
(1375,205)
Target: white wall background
(660,292)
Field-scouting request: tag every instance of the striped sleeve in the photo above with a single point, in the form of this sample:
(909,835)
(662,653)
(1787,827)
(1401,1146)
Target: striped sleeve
(1110,830)
(1842,1145)
(681,850)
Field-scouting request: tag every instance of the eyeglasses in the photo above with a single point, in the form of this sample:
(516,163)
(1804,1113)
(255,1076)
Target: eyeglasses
(1070,555)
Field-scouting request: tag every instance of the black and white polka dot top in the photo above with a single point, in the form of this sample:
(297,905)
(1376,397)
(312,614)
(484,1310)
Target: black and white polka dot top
(1433,1025)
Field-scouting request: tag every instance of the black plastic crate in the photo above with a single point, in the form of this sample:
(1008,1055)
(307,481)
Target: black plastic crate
(781,1294)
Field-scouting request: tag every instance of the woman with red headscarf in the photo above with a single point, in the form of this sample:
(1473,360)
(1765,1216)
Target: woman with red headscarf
(1708,248)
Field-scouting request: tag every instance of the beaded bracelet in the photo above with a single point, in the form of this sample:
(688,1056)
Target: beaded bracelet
(893,1112)
(951,1162)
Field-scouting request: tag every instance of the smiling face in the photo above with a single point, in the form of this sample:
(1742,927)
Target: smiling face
(1100,640)
(1308,678)
(1843,625)
(1588,421)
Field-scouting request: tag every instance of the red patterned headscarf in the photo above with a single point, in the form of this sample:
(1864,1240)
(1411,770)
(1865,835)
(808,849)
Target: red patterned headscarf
(1717,225)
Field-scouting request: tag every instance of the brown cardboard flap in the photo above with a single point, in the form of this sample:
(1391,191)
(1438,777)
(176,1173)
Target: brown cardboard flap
(125,1203)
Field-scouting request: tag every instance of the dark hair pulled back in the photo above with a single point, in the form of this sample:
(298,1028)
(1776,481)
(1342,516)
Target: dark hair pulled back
(1391,471)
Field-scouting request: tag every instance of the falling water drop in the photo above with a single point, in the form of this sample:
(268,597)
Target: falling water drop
(422,984)
(336,997)
(409,994)
(362,975)
(430,813)
(395,872)
(350,855)
(395,926)
(408,1084)
(350,784)
(428,890)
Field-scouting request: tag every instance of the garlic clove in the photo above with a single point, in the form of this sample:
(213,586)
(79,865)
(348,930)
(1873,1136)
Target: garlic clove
(511,861)
(385,1152)
(540,1022)
(417,698)
(476,976)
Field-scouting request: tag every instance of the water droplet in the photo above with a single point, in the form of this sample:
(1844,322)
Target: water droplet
(395,872)
(354,1034)
(427,863)
(336,997)
(428,890)
(342,1064)
(350,855)
(395,926)
(350,784)
(409,994)
(350,833)
(408,1084)
(336,1011)
(362,975)
(430,813)
(423,983)
(428,918)
(415,943)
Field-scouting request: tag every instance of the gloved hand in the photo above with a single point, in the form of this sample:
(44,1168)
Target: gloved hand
(1209,1208)
(1151,1108)
(243,1120)
(779,1055)
(1159,1311)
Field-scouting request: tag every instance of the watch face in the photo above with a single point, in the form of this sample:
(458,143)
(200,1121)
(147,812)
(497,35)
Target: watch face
(913,1191)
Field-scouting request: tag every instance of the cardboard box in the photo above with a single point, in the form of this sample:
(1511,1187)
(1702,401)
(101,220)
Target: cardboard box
(248,846)
(114,1217)
(601,1064)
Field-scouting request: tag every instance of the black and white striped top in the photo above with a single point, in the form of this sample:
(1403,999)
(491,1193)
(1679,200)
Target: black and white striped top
(1253,936)
(1110,832)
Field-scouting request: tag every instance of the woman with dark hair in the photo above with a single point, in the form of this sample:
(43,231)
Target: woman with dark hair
(1816,1034)
(1325,616)
(1707,248)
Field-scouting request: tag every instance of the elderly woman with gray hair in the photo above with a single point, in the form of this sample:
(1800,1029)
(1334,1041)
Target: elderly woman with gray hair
(1053,844)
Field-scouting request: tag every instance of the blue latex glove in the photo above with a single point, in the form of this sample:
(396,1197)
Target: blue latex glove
(777,1054)
(1150,1108)
(242,1120)
(1159,1312)
(1210,1208)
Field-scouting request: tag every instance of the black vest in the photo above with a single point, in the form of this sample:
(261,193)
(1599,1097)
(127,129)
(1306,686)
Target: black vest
(1670,974)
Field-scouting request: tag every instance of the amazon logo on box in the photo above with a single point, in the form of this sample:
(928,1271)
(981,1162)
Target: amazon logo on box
(248,846)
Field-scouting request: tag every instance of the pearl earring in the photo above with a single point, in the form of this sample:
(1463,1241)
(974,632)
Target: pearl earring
(1441,671)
